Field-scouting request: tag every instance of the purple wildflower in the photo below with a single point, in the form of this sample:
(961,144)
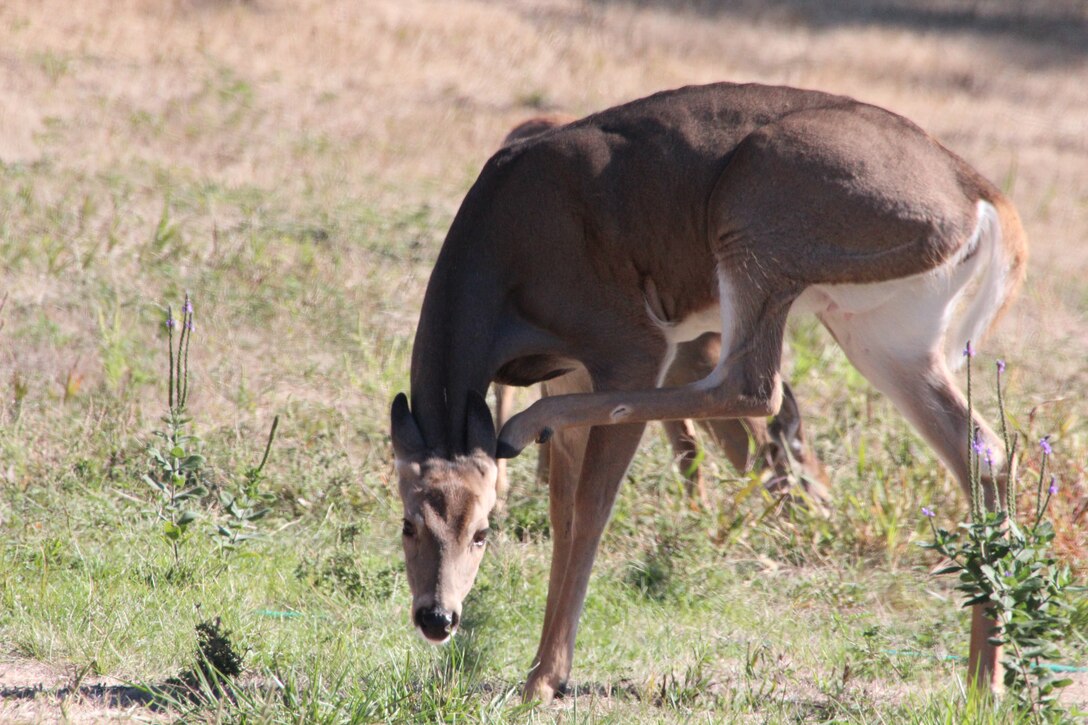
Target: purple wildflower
(1000,366)
(1053,485)
(978,446)
(989,456)
(169,322)
(187,308)
(1008,573)
(1044,443)
(928,513)
(189,325)
(968,351)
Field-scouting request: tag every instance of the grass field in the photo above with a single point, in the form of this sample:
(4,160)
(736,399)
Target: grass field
(294,164)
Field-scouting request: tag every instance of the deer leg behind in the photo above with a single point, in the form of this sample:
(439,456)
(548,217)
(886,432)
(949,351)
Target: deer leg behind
(781,447)
(544,452)
(685,452)
(778,445)
(910,368)
(504,409)
(694,361)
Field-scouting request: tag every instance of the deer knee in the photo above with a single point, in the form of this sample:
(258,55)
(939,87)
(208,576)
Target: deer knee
(744,397)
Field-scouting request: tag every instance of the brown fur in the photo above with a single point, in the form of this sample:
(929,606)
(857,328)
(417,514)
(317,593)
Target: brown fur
(776,446)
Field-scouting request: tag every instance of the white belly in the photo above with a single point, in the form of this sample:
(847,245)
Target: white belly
(694,326)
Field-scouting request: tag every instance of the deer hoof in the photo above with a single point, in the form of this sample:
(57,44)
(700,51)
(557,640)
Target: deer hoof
(505,450)
(538,690)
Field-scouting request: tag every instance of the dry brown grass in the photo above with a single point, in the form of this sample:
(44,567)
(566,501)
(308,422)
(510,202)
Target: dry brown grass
(393,103)
(412,95)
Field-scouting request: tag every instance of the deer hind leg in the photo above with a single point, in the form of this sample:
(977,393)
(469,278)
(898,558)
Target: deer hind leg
(544,452)
(778,446)
(694,361)
(504,409)
(745,382)
(897,344)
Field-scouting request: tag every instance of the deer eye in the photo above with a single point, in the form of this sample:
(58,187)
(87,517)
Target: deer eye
(409,528)
(480,537)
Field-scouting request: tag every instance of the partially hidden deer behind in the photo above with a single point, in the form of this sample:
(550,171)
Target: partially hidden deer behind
(601,246)
(777,448)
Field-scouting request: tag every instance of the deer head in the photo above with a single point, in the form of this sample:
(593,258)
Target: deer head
(446,506)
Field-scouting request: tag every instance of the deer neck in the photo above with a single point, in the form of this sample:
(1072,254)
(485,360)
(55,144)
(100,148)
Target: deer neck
(453,349)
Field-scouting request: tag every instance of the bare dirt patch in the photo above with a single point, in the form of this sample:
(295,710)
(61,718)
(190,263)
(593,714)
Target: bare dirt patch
(34,692)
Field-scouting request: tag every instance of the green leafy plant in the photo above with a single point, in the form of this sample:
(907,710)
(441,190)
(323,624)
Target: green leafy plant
(242,509)
(1005,562)
(173,456)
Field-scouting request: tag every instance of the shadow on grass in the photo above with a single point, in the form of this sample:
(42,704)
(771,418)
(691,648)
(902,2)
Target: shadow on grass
(1049,33)
(172,697)
(107,696)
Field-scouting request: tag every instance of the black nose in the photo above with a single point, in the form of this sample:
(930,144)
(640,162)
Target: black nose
(436,624)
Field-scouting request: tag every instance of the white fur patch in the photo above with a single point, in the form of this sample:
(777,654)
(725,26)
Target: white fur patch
(909,316)
(708,319)
(619,413)
(727,323)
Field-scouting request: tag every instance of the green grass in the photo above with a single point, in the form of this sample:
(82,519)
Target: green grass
(776,618)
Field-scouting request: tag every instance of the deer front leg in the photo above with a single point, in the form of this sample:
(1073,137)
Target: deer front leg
(608,453)
(567,450)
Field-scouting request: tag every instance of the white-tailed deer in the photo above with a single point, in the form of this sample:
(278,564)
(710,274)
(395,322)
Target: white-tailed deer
(600,246)
(776,448)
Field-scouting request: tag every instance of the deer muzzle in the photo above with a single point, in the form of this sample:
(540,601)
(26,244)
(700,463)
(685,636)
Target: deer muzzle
(436,625)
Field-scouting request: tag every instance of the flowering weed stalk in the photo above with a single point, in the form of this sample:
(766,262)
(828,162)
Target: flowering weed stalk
(176,464)
(1007,565)
(173,458)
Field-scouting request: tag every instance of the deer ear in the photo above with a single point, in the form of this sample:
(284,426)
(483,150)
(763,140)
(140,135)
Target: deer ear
(408,442)
(479,426)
